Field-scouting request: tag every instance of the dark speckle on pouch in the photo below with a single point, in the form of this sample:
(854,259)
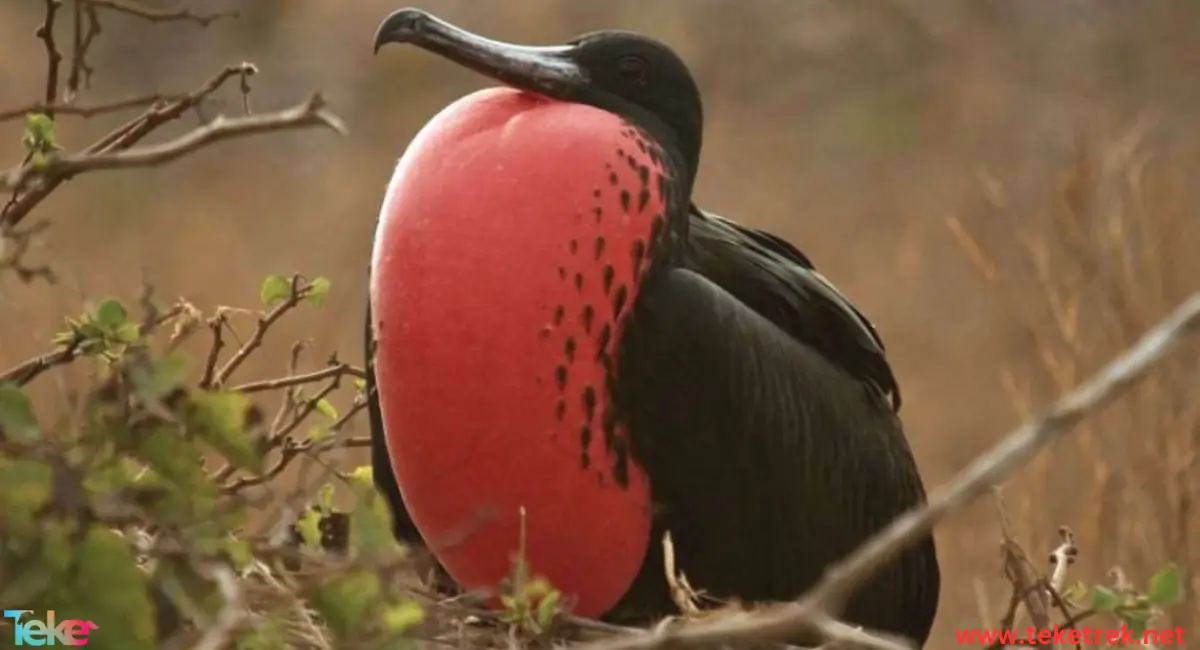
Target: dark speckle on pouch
(589,403)
(586,317)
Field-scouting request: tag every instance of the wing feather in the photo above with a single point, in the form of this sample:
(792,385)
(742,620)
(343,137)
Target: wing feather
(769,460)
(779,282)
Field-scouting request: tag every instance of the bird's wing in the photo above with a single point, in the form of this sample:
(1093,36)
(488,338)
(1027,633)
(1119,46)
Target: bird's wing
(773,278)
(768,461)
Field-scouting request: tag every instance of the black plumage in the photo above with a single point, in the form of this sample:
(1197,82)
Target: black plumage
(757,397)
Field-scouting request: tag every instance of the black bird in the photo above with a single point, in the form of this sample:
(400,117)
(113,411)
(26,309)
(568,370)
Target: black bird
(541,272)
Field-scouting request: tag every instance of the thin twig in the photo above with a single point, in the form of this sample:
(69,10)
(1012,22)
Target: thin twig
(140,101)
(297,293)
(216,325)
(293,450)
(162,15)
(297,380)
(53,56)
(15,244)
(307,114)
(811,612)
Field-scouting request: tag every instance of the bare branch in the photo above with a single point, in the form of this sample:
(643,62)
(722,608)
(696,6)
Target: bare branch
(15,245)
(85,30)
(161,15)
(216,325)
(26,372)
(292,450)
(120,139)
(53,57)
(298,292)
(308,114)
(811,613)
(336,370)
(141,101)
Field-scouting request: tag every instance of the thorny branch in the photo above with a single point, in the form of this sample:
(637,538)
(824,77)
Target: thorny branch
(814,611)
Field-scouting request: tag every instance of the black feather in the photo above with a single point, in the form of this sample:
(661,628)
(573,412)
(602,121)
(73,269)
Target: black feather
(769,462)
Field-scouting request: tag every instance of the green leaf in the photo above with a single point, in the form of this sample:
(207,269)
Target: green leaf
(345,602)
(16,415)
(1104,599)
(39,126)
(363,474)
(239,553)
(370,527)
(325,497)
(326,409)
(309,527)
(1074,592)
(24,487)
(1166,587)
(1137,620)
(161,377)
(174,460)
(270,634)
(220,419)
(360,384)
(402,616)
(514,610)
(111,314)
(318,291)
(39,137)
(320,433)
(128,333)
(548,608)
(275,288)
(112,590)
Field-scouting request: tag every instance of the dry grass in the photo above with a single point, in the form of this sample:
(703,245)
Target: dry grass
(877,127)
(1100,262)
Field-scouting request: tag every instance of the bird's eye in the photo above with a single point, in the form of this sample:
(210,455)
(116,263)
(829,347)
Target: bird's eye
(632,69)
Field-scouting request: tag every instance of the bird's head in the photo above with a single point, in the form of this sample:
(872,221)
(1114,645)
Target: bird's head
(622,72)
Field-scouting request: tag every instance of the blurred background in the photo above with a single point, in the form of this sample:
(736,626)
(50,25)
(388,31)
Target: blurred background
(1002,186)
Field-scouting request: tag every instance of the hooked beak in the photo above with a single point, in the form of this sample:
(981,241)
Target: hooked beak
(548,70)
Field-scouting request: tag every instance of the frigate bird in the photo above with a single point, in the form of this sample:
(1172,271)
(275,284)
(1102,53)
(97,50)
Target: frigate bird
(568,356)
